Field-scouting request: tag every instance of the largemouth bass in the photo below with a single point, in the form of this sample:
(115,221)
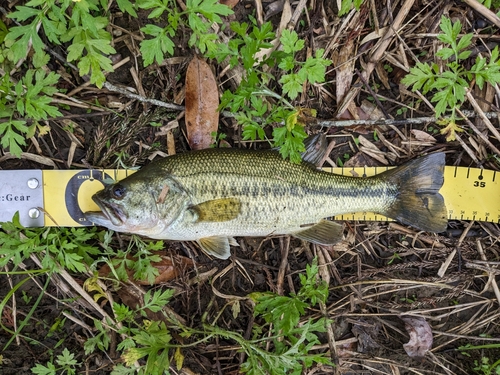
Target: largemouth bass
(211,196)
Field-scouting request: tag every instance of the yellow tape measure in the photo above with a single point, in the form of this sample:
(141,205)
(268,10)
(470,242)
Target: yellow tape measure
(469,193)
(62,197)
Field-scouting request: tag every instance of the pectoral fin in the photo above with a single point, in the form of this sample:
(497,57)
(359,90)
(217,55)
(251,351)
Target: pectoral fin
(218,210)
(323,233)
(217,246)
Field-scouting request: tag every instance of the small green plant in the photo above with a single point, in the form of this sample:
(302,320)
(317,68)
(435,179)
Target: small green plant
(25,297)
(30,99)
(411,299)
(153,343)
(154,49)
(347,5)
(490,3)
(449,86)
(251,101)
(65,363)
(81,23)
(292,342)
(218,140)
(394,257)
(59,248)
(484,366)
(137,257)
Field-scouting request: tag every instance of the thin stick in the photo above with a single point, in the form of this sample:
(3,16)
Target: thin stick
(140,98)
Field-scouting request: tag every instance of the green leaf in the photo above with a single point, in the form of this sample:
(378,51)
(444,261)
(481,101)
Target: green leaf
(464,42)
(10,138)
(315,68)
(102,46)
(211,9)
(73,262)
(66,359)
(28,34)
(291,42)
(464,55)
(158,6)
(75,51)
(346,6)
(205,42)
(494,55)
(291,143)
(251,129)
(42,370)
(264,33)
(126,6)
(154,49)
(445,53)
(259,108)
(3,31)
(239,28)
(288,63)
(444,99)
(448,34)
(197,24)
(40,59)
(53,30)
(420,76)
(22,13)
(158,300)
(292,84)
(95,62)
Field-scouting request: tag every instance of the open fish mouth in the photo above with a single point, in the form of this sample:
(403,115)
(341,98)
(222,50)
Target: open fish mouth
(109,211)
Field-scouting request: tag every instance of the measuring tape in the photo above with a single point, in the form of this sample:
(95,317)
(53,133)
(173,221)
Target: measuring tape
(60,198)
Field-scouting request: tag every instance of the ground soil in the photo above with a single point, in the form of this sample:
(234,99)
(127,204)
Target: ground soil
(378,273)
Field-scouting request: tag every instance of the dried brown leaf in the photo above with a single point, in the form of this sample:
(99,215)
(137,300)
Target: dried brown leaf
(345,69)
(371,110)
(423,136)
(420,336)
(230,3)
(202,100)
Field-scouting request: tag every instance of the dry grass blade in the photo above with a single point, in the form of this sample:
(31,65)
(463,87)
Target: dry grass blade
(377,53)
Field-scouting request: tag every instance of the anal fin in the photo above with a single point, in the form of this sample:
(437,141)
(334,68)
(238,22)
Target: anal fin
(323,233)
(217,246)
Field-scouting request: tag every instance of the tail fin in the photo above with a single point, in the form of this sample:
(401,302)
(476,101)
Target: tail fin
(418,201)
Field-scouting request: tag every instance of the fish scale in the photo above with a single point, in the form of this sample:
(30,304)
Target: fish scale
(300,193)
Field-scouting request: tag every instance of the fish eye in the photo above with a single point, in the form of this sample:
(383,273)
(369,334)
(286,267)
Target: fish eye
(118,191)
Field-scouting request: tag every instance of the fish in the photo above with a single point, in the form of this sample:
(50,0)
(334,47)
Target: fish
(212,196)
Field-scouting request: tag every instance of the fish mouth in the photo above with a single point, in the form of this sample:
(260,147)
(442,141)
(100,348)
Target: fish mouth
(110,212)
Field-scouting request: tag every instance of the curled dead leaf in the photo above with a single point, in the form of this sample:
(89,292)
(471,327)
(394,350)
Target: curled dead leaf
(423,136)
(420,336)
